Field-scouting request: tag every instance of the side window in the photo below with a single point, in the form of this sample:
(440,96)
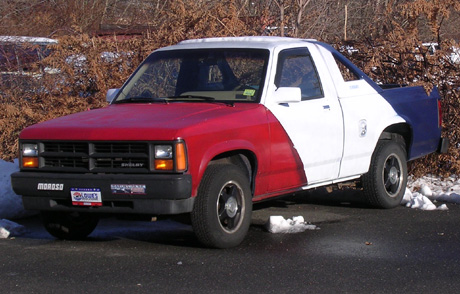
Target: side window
(347,73)
(296,69)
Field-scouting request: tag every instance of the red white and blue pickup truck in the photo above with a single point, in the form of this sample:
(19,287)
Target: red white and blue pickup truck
(207,127)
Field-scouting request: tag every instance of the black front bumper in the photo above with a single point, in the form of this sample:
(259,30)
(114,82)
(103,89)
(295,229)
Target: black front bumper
(161,194)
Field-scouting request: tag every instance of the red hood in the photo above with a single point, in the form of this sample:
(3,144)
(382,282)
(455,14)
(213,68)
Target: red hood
(136,122)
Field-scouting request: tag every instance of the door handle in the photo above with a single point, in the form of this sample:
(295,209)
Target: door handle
(326,107)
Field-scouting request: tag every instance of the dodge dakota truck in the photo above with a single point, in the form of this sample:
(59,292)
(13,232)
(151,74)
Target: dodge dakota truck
(207,127)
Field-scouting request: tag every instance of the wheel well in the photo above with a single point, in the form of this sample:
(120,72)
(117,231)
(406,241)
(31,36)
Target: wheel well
(245,160)
(399,132)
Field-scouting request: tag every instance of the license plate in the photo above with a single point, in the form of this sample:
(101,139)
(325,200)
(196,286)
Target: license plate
(86,196)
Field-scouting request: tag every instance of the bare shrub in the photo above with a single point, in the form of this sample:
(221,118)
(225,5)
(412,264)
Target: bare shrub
(402,58)
(79,72)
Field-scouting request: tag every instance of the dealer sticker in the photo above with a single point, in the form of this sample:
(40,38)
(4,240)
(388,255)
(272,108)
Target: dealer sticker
(86,196)
(249,92)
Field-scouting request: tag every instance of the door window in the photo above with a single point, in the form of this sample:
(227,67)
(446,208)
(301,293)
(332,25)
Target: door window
(296,69)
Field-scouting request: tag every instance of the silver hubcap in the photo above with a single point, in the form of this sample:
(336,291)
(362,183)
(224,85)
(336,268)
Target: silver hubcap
(392,175)
(230,207)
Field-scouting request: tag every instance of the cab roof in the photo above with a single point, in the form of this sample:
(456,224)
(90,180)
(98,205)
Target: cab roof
(259,42)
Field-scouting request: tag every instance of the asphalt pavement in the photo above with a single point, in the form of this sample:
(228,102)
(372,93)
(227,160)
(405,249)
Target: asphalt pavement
(355,250)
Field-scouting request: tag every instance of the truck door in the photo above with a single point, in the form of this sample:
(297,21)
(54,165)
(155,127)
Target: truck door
(315,124)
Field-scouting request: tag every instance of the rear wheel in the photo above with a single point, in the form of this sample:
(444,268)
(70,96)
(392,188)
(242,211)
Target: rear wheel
(69,225)
(222,211)
(385,183)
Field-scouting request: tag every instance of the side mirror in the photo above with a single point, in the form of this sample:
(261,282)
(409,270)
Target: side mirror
(111,93)
(287,95)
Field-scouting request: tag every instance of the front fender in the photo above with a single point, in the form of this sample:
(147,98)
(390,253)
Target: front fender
(224,149)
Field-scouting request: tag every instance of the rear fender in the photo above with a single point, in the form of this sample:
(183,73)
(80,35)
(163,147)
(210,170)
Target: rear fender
(402,129)
(420,112)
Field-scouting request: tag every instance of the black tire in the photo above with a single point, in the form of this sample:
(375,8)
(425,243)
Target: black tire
(69,225)
(385,183)
(222,210)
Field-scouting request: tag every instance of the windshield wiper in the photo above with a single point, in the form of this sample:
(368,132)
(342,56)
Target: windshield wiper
(192,97)
(139,99)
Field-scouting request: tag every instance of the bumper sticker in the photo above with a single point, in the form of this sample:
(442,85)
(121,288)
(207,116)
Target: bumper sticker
(128,189)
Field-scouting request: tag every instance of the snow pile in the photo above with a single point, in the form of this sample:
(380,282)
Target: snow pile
(10,203)
(443,189)
(429,188)
(420,200)
(277,224)
(10,229)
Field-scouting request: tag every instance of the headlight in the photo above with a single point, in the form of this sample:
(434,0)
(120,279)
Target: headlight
(29,155)
(163,151)
(30,150)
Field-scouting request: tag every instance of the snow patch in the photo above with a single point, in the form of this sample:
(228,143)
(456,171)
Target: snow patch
(10,229)
(418,200)
(10,203)
(429,189)
(278,224)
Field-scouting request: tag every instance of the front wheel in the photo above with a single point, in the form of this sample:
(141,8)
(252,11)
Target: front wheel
(385,183)
(222,211)
(69,225)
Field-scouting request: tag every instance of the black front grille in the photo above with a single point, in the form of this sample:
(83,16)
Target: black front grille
(95,156)
(66,162)
(128,148)
(66,147)
(120,162)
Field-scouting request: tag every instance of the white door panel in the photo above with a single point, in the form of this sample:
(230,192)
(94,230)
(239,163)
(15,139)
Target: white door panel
(314,125)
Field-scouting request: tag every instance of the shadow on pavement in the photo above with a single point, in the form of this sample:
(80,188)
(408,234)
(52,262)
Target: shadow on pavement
(316,206)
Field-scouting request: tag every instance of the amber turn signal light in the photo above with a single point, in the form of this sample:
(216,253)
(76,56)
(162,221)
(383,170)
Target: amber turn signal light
(181,160)
(30,162)
(164,164)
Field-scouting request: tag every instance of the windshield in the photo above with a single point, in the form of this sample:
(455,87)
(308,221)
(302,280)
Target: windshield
(226,75)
